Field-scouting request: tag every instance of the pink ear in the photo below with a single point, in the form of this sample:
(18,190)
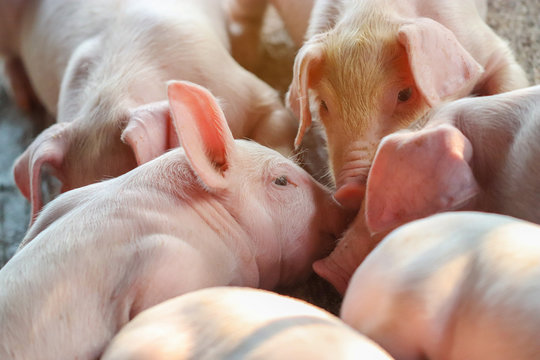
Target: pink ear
(202,130)
(440,65)
(416,174)
(307,71)
(149,131)
(48,148)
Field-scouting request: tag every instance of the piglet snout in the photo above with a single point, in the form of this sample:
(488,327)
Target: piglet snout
(351,194)
(336,220)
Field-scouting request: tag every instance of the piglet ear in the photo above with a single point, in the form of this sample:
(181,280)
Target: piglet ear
(149,131)
(202,131)
(416,174)
(441,67)
(307,72)
(49,148)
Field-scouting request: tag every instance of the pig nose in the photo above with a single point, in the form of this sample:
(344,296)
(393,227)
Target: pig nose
(350,195)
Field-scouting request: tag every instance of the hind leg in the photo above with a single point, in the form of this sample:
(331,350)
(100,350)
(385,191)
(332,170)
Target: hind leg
(295,15)
(20,87)
(245,23)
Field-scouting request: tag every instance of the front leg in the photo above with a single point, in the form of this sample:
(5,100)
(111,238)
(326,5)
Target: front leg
(245,23)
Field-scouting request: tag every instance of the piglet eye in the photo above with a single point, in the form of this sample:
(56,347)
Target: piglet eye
(324,107)
(405,94)
(281,181)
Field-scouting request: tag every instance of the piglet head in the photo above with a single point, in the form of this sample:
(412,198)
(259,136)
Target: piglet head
(76,154)
(289,219)
(414,174)
(94,147)
(367,80)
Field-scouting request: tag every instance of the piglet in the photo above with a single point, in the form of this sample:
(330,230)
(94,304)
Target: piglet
(372,67)
(476,153)
(101,67)
(453,286)
(238,323)
(218,211)
(471,154)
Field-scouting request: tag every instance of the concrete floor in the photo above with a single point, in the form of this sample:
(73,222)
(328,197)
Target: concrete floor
(516,21)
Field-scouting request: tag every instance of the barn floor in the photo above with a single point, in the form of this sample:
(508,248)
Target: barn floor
(516,21)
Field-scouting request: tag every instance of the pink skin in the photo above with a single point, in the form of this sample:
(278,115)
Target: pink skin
(97,86)
(216,212)
(472,154)
(265,326)
(295,15)
(492,165)
(351,250)
(354,80)
(453,286)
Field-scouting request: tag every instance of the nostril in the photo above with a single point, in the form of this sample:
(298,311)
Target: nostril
(351,195)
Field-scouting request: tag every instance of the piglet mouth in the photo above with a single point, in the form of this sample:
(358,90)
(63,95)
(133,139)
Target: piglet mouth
(330,239)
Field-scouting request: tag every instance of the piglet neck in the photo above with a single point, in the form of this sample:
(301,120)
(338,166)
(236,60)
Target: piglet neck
(270,271)
(489,157)
(231,233)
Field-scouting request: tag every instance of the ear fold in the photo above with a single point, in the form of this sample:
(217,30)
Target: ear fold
(202,130)
(307,72)
(49,148)
(416,174)
(441,67)
(149,131)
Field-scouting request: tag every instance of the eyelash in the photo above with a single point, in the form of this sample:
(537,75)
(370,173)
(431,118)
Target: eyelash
(324,106)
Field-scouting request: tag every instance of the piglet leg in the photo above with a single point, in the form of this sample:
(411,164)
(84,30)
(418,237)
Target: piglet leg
(21,90)
(246,19)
